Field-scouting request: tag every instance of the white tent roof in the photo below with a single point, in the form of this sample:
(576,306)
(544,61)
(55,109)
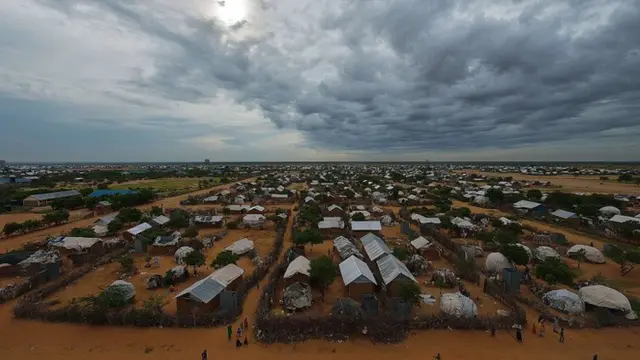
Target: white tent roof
(300,265)
(496,262)
(610,210)
(591,254)
(458,305)
(74,243)
(606,297)
(253,218)
(544,252)
(391,268)
(565,300)
(160,220)
(525,204)
(227,274)
(621,219)
(563,214)
(139,228)
(462,223)
(420,242)
(331,223)
(241,246)
(355,270)
(372,225)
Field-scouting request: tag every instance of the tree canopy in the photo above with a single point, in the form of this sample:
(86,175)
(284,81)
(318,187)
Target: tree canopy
(308,236)
(558,270)
(194,259)
(517,254)
(322,272)
(129,215)
(83,232)
(223,259)
(409,292)
(191,232)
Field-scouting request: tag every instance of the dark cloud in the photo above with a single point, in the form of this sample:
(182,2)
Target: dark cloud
(410,75)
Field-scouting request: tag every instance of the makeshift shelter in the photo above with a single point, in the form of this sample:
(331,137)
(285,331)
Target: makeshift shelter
(565,301)
(253,220)
(543,253)
(100,230)
(136,231)
(366,226)
(298,270)
(357,277)
(77,245)
(386,220)
(605,297)
(417,264)
(374,246)
(393,272)
(241,246)
(297,296)
(181,253)
(458,305)
(445,276)
(496,262)
(206,295)
(159,221)
(345,248)
(124,287)
(591,254)
(609,211)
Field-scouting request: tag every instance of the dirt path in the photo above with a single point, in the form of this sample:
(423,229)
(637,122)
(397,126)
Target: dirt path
(170,202)
(22,339)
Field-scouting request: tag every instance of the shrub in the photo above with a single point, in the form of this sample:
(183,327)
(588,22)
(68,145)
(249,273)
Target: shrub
(401,253)
(409,292)
(322,272)
(83,232)
(126,264)
(223,259)
(232,225)
(560,271)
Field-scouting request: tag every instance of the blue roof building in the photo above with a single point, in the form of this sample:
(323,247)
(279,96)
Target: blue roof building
(109,192)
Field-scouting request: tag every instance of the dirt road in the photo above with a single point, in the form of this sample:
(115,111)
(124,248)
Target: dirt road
(170,202)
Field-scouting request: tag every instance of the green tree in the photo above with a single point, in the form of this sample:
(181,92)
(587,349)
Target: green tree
(90,202)
(226,211)
(83,232)
(31,225)
(194,259)
(322,272)
(153,304)
(12,227)
(126,264)
(534,194)
(409,292)
(400,253)
(505,236)
(129,215)
(178,219)
(115,226)
(515,253)
(495,196)
(86,191)
(581,255)
(556,267)
(56,217)
(308,236)
(191,232)
(625,178)
(223,259)
(232,225)
(358,217)
(156,211)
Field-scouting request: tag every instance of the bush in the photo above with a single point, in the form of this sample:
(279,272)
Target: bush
(322,272)
(232,225)
(191,232)
(126,264)
(223,259)
(409,292)
(550,279)
(83,232)
(558,269)
(308,236)
(401,253)
(516,254)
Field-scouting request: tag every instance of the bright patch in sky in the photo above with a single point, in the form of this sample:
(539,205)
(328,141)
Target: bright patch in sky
(231,12)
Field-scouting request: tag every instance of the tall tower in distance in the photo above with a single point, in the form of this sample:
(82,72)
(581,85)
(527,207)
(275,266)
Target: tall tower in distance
(206,161)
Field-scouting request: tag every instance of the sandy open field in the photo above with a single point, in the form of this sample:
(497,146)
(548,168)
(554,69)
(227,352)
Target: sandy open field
(34,340)
(587,184)
(171,202)
(160,184)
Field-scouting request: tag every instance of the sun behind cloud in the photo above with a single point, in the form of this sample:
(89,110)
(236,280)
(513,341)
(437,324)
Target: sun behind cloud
(231,12)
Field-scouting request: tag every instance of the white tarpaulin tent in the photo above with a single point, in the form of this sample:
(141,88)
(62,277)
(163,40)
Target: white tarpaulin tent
(181,253)
(496,262)
(606,297)
(241,246)
(564,300)
(545,252)
(126,287)
(300,265)
(458,305)
(590,253)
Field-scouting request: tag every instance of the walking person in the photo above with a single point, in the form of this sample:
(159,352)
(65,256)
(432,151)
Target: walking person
(437,357)
(204,354)
(562,335)
(239,332)
(595,356)
(246,341)
(246,324)
(238,344)
(493,330)
(229,332)
(519,335)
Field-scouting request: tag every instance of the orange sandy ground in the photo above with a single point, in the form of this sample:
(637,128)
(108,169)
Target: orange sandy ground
(589,184)
(34,340)
(100,278)
(172,202)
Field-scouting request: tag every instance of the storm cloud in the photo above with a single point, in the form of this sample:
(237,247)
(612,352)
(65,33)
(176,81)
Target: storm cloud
(335,77)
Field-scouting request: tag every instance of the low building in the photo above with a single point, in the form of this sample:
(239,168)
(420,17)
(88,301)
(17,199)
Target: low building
(159,221)
(331,226)
(79,249)
(425,248)
(211,199)
(366,226)
(527,206)
(566,217)
(37,200)
(208,221)
(103,207)
(256,209)
(241,246)
(110,192)
(165,245)
(374,247)
(357,277)
(235,209)
(334,211)
(254,220)
(106,220)
(204,295)
(136,231)
(297,271)
(393,273)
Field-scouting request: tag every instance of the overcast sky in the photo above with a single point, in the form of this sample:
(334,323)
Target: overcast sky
(269,80)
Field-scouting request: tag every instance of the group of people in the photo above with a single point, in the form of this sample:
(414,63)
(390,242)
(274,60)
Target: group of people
(539,328)
(242,330)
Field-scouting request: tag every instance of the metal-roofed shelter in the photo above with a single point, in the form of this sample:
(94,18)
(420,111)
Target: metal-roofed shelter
(105,220)
(205,295)
(208,220)
(371,225)
(526,205)
(374,246)
(345,248)
(241,246)
(393,271)
(136,230)
(110,192)
(420,243)
(72,244)
(160,220)
(563,214)
(36,200)
(357,277)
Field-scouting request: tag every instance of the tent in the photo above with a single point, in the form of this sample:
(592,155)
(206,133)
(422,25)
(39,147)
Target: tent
(125,287)
(609,211)
(496,262)
(590,253)
(181,253)
(458,305)
(545,252)
(605,297)
(564,300)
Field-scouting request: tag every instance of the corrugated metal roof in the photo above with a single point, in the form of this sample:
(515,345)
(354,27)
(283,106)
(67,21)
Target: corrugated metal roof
(110,192)
(300,265)
(331,223)
(420,243)
(227,274)
(55,195)
(139,228)
(72,242)
(160,220)
(241,246)
(526,204)
(563,214)
(372,225)
(345,247)
(374,246)
(105,220)
(621,219)
(391,268)
(203,290)
(354,269)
